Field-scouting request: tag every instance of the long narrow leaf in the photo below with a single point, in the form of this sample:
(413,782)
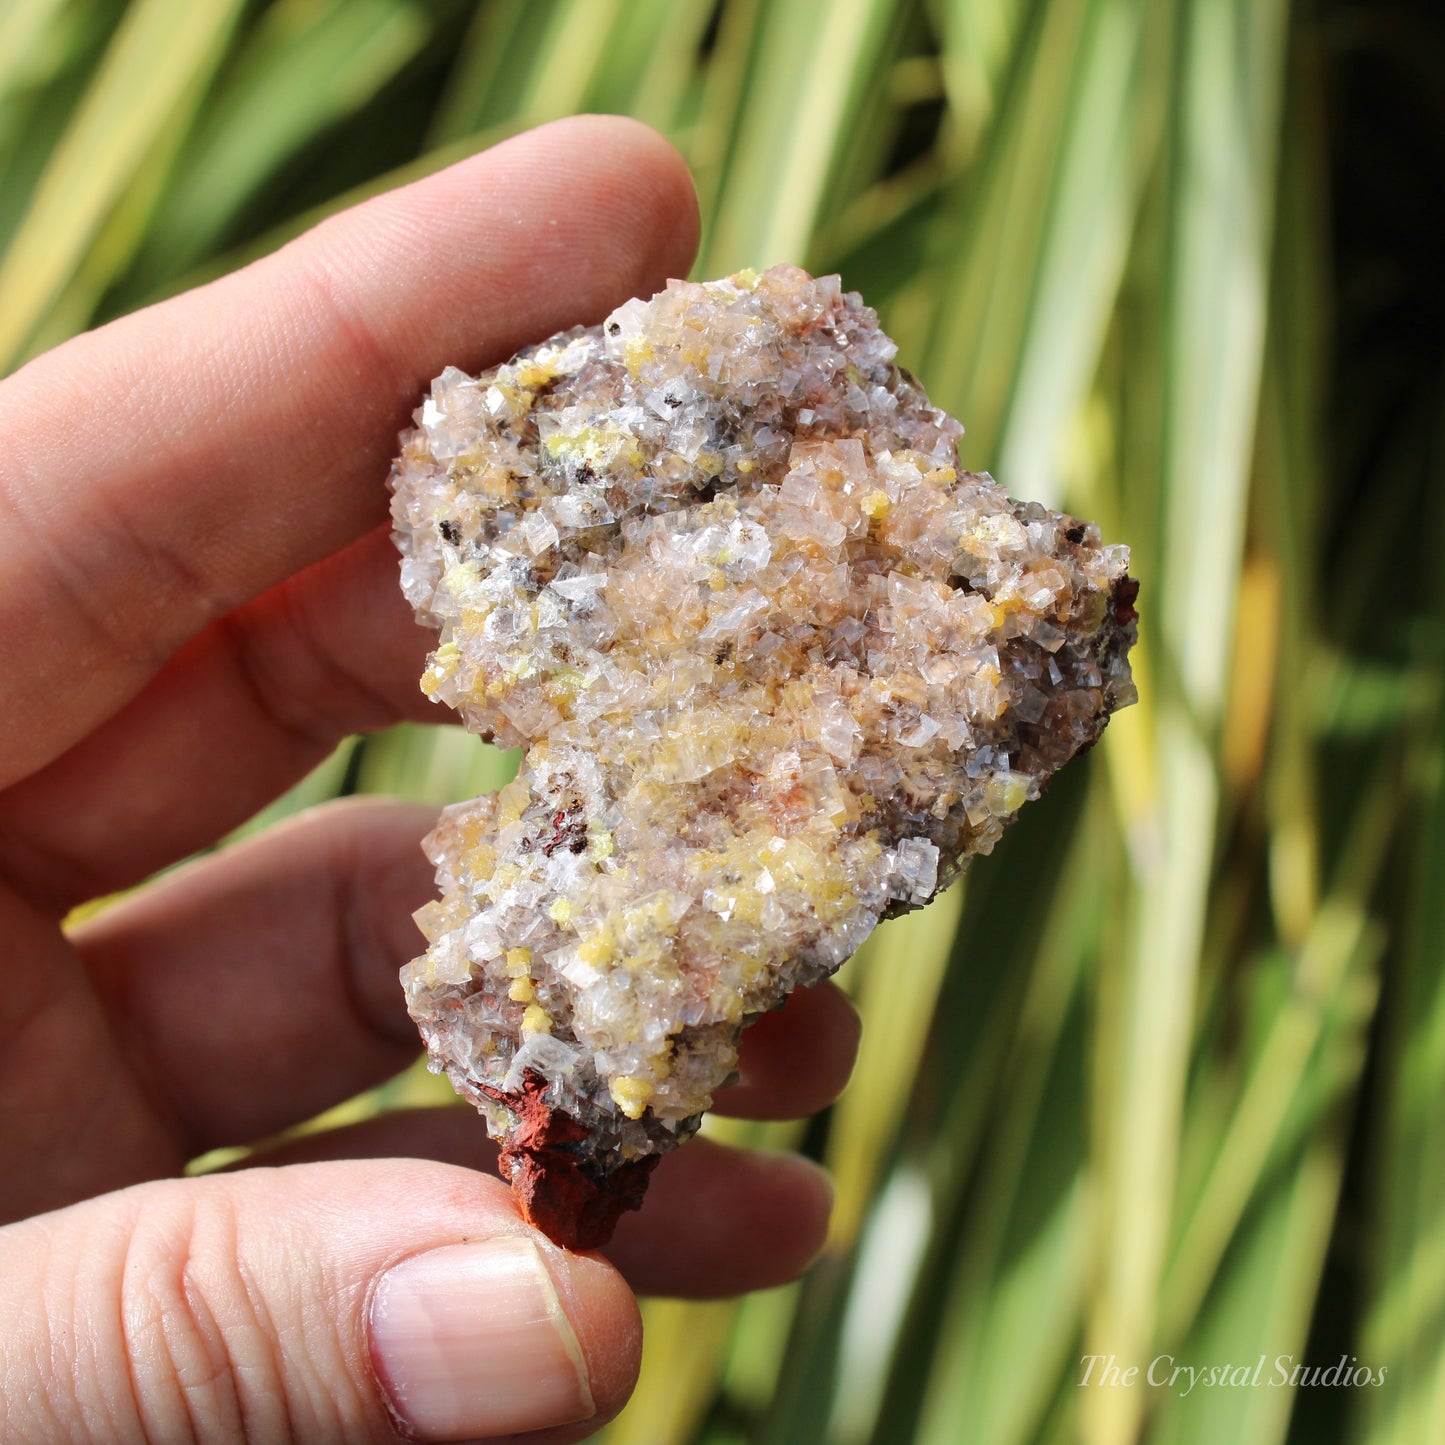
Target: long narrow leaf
(161,51)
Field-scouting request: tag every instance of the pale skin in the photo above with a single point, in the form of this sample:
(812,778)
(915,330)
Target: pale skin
(198,598)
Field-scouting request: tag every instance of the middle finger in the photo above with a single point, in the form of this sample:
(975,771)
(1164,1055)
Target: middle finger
(258,987)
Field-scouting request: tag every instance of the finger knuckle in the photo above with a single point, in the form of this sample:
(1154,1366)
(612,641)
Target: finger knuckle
(199,1360)
(229,1338)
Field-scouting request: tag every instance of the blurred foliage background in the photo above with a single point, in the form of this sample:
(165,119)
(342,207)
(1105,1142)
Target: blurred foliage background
(1167,1075)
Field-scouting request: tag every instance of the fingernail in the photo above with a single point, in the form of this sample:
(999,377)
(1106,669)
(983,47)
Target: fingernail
(470,1341)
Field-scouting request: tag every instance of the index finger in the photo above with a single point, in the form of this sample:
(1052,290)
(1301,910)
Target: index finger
(160,471)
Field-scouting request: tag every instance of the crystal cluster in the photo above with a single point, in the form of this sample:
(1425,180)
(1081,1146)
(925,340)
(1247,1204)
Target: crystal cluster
(780,669)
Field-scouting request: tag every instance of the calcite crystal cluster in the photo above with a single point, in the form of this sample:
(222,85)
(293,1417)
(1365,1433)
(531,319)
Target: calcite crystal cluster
(780,669)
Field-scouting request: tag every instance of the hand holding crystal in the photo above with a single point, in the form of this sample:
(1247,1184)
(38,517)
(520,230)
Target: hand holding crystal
(197,600)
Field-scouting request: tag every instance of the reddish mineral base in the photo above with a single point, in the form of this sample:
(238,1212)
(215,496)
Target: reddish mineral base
(571,1201)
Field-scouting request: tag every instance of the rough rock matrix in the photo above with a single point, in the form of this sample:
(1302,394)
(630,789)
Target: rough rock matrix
(780,669)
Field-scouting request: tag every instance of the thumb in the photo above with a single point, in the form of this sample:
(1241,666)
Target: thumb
(364,1300)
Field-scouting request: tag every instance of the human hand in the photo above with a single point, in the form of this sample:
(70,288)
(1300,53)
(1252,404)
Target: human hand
(197,600)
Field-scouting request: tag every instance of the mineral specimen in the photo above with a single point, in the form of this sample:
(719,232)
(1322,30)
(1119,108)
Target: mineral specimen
(780,669)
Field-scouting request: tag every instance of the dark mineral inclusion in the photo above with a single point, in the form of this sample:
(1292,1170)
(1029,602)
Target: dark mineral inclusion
(780,669)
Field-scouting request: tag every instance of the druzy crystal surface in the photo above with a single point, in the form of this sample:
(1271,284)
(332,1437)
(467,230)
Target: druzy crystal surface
(780,669)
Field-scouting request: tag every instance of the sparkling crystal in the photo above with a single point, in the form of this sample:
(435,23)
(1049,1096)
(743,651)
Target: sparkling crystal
(780,668)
